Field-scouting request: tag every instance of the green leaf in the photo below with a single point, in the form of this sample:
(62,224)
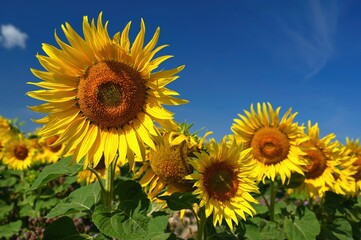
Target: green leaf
(156,228)
(341,229)
(306,227)
(62,229)
(53,171)
(252,232)
(130,194)
(8,182)
(118,224)
(28,211)
(5,209)
(180,200)
(10,229)
(259,228)
(82,199)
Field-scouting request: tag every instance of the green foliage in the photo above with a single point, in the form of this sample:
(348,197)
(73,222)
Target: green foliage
(81,200)
(305,227)
(63,229)
(10,229)
(53,171)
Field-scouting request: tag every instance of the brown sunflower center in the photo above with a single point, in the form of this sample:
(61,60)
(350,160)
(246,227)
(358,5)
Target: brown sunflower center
(111,94)
(170,162)
(357,164)
(52,140)
(21,152)
(220,181)
(317,163)
(270,145)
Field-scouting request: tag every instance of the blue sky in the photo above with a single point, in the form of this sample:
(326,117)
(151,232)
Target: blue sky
(300,54)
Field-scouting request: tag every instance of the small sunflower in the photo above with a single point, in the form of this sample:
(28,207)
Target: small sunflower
(275,143)
(18,153)
(355,148)
(167,165)
(4,124)
(223,182)
(102,96)
(51,153)
(322,155)
(345,171)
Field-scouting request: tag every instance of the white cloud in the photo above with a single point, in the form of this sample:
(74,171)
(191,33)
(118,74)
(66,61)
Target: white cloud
(312,36)
(11,37)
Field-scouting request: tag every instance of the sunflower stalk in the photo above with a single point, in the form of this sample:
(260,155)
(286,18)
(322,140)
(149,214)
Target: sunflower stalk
(201,224)
(108,192)
(272,201)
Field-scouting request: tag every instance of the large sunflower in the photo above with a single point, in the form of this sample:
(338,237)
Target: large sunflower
(102,96)
(164,168)
(275,143)
(18,153)
(223,182)
(322,154)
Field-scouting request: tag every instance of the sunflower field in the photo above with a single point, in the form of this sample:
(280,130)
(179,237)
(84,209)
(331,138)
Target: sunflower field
(110,161)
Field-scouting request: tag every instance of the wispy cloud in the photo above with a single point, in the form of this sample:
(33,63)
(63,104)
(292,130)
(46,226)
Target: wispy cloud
(313,37)
(11,37)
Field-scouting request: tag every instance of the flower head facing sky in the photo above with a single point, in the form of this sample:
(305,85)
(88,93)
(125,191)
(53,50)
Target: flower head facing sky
(18,153)
(322,155)
(102,94)
(275,143)
(223,182)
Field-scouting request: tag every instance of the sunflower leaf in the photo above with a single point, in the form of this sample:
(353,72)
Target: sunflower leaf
(63,228)
(81,200)
(136,226)
(10,229)
(53,171)
(302,228)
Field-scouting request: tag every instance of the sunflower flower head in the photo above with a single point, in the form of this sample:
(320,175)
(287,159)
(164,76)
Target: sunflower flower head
(18,154)
(275,143)
(223,182)
(47,153)
(355,153)
(102,94)
(322,155)
(167,165)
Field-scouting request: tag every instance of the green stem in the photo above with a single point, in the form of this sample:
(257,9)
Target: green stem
(201,224)
(272,201)
(100,180)
(108,194)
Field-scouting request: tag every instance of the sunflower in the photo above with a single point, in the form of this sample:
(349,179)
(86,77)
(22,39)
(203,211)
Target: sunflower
(355,148)
(275,143)
(167,165)
(5,132)
(322,154)
(102,96)
(48,152)
(4,124)
(18,153)
(223,182)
